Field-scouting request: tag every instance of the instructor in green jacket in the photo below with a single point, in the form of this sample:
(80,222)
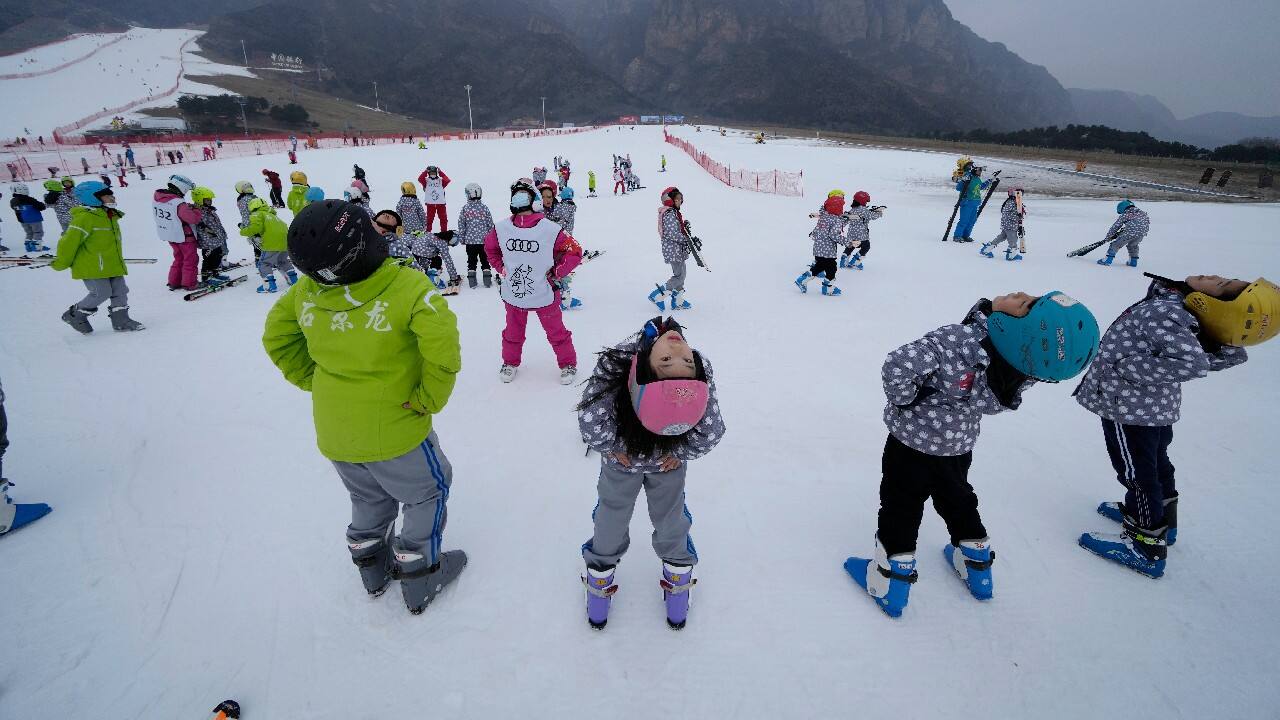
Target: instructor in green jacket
(92,248)
(377,347)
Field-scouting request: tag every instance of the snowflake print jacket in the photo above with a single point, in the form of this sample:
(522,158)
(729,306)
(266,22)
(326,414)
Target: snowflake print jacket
(210,234)
(828,233)
(1010,218)
(675,242)
(939,387)
(599,425)
(425,246)
(411,213)
(1144,358)
(860,224)
(62,208)
(363,351)
(1135,224)
(474,222)
(563,214)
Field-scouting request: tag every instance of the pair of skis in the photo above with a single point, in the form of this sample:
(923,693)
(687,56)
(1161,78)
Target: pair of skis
(695,247)
(210,288)
(39,261)
(995,182)
(1094,246)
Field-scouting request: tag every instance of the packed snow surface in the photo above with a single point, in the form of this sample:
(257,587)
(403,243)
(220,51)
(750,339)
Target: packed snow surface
(195,551)
(142,66)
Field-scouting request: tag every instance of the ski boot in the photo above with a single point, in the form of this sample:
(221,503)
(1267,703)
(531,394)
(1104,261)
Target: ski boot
(373,558)
(677,589)
(829,288)
(488,278)
(33,246)
(985,251)
(803,280)
(888,580)
(1010,256)
(972,562)
(436,280)
(15,515)
(121,322)
(600,590)
(78,319)
(966,239)
(1133,262)
(507,373)
(421,582)
(567,374)
(844,261)
(453,287)
(268,285)
(1136,548)
(659,297)
(1107,260)
(1115,511)
(678,302)
(571,303)
(215,280)
(471,279)
(291,277)
(855,261)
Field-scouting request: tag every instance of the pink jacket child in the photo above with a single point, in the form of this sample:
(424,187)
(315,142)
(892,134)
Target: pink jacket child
(532,255)
(175,224)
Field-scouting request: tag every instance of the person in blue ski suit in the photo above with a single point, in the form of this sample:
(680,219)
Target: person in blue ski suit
(972,185)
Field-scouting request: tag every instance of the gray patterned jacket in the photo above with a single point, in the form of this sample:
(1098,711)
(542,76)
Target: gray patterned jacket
(210,234)
(474,222)
(242,204)
(411,213)
(599,425)
(1010,219)
(828,233)
(1144,358)
(427,245)
(938,389)
(62,208)
(1136,225)
(675,243)
(859,227)
(563,214)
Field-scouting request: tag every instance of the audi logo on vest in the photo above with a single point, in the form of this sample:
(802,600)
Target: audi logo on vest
(528,246)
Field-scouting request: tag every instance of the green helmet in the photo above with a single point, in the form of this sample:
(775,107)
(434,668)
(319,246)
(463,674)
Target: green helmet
(53,185)
(200,193)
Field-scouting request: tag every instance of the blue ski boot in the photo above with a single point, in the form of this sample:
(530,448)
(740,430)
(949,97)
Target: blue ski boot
(268,285)
(972,562)
(844,261)
(292,276)
(1136,548)
(985,251)
(1107,260)
(1011,256)
(436,280)
(855,261)
(887,580)
(678,302)
(1133,262)
(15,515)
(659,297)
(829,288)
(1115,511)
(803,280)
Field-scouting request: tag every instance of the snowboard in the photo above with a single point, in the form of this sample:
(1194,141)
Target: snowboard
(211,289)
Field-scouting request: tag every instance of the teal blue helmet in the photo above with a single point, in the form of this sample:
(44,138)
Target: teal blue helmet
(314,194)
(566,193)
(1056,340)
(1122,206)
(90,193)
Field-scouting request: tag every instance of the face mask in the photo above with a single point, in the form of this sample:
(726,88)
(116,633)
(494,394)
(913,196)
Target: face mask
(521,199)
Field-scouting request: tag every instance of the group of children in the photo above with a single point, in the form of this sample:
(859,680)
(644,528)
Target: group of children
(838,227)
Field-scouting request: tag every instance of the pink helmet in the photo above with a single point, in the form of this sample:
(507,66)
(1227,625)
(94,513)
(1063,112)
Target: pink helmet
(666,407)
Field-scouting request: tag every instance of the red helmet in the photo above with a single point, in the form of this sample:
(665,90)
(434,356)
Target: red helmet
(861,197)
(550,185)
(669,195)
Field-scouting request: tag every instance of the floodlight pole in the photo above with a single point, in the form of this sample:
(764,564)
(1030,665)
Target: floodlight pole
(544,112)
(470,121)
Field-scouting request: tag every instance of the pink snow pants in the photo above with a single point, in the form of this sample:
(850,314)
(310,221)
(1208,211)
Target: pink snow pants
(432,212)
(552,320)
(182,273)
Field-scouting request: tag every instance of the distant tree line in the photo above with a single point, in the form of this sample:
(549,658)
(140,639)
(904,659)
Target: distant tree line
(1103,138)
(225,109)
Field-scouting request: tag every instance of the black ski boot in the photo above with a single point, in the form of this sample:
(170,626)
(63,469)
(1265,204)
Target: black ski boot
(121,322)
(373,557)
(471,279)
(78,319)
(488,278)
(420,582)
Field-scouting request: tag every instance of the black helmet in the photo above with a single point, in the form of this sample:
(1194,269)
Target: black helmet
(523,186)
(334,243)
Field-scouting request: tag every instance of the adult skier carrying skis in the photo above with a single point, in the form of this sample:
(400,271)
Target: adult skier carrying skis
(970,186)
(673,235)
(1127,232)
(361,328)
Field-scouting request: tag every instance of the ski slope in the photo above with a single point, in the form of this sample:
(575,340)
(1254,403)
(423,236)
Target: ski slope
(196,551)
(142,64)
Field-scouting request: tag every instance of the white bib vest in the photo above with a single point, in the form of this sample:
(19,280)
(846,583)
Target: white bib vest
(528,256)
(434,191)
(168,225)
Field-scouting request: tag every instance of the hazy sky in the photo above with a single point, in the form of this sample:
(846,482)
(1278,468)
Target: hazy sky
(1194,55)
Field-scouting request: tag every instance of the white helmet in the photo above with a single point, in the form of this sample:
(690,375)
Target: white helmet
(472,191)
(19,189)
(354,193)
(182,182)
(244,187)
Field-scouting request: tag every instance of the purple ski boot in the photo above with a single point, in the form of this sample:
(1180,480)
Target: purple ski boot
(677,585)
(600,590)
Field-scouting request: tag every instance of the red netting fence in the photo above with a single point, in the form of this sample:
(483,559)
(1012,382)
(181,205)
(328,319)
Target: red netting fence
(774,182)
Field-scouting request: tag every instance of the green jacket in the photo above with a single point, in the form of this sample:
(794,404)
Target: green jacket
(363,351)
(273,232)
(297,198)
(92,246)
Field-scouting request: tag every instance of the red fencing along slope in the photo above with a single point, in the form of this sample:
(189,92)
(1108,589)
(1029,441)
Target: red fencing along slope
(774,182)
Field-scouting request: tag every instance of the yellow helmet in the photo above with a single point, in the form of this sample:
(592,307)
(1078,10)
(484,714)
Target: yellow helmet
(298,177)
(835,193)
(408,188)
(1249,319)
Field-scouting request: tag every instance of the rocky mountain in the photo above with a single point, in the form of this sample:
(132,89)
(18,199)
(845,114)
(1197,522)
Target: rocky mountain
(886,65)
(1131,111)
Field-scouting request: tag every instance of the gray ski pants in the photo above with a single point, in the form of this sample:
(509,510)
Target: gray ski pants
(274,260)
(34,231)
(678,273)
(1009,236)
(1120,242)
(103,289)
(670,517)
(419,481)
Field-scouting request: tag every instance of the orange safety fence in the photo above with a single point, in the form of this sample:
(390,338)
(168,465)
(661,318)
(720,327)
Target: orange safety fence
(774,182)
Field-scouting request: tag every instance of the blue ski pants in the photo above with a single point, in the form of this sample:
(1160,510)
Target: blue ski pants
(968,216)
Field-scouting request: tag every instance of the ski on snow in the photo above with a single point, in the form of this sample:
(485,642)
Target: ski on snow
(211,289)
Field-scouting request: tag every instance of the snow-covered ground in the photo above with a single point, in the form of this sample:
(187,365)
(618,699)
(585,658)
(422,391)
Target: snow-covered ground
(196,550)
(143,65)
